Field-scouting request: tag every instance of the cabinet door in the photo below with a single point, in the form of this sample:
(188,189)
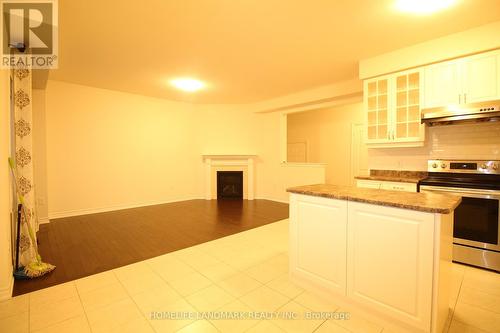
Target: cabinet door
(390,261)
(377,110)
(406,125)
(481,77)
(442,85)
(399,186)
(368,184)
(318,231)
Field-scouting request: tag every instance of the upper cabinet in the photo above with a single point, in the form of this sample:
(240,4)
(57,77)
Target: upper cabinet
(377,105)
(481,77)
(441,84)
(393,105)
(394,102)
(467,80)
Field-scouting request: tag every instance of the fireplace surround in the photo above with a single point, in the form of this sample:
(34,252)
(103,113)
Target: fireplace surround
(241,163)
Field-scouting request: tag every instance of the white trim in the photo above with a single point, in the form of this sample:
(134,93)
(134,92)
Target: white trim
(43,220)
(6,293)
(229,160)
(77,212)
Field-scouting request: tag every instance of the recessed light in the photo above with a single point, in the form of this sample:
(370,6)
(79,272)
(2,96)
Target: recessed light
(187,84)
(423,7)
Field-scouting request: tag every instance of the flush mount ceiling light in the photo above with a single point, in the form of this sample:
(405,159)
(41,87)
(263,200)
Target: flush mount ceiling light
(423,7)
(187,84)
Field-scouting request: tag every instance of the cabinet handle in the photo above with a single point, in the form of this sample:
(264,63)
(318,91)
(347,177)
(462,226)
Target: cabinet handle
(459,98)
(465,98)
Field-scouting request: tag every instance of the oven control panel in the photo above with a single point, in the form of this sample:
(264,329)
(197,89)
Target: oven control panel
(455,166)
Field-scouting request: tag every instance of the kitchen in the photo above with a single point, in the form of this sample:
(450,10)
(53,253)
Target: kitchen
(432,129)
(258,166)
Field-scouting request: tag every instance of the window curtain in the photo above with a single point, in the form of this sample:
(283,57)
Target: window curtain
(23,144)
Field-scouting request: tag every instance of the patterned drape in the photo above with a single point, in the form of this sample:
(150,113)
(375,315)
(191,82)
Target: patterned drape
(24,157)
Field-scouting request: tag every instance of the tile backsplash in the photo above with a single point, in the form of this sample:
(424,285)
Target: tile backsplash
(479,141)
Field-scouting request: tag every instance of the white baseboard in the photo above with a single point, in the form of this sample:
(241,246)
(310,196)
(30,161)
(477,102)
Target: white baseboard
(43,220)
(77,212)
(6,292)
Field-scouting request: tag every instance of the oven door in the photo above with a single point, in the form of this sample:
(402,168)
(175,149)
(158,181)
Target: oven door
(476,219)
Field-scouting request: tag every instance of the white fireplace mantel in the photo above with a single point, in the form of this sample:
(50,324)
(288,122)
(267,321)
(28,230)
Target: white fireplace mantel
(226,160)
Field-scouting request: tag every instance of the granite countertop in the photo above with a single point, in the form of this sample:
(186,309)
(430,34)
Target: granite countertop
(401,176)
(424,202)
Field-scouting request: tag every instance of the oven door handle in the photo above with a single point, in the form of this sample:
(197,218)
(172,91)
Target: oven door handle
(458,190)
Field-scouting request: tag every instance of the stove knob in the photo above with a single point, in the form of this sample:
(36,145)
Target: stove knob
(484,166)
(495,166)
(443,165)
(434,165)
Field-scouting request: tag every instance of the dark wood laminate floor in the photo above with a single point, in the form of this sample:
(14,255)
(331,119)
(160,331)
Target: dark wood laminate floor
(84,245)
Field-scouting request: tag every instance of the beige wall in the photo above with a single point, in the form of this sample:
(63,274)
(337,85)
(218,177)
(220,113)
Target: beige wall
(108,150)
(328,136)
(5,194)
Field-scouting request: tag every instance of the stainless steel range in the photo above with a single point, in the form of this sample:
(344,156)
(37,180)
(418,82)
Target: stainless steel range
(476,234)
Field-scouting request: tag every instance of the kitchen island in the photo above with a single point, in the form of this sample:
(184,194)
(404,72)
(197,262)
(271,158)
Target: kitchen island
(384,254)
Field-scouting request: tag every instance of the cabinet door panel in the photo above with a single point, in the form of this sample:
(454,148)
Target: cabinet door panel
(481,78)
(390,261)
(376,95)
(441,85)
(319,235)
(407,126)
(396,186)
(368,184)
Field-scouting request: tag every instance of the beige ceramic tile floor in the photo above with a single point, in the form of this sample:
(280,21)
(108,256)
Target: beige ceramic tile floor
(242,273)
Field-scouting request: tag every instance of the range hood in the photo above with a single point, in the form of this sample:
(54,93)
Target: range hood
(455,114)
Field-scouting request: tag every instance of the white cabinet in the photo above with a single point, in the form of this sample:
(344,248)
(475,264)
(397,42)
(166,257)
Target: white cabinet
(441,84)
(385,185)
(389,265)
(466,80)
(318,232)
(481,77)
(393,110)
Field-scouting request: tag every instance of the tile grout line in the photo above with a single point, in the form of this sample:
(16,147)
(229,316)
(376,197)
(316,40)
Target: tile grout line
(452,315)
(83,308)
(58,322)
(132,299)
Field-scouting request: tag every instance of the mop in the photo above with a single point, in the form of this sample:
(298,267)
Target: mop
(35,268)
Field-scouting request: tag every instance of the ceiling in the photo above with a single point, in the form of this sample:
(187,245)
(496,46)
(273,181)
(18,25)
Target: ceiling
(246,50)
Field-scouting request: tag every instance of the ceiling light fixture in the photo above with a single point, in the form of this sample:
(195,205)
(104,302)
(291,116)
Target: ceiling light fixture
(423,7)
(187,84)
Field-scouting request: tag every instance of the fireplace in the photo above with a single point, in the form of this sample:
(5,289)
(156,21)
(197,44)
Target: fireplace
(229,184)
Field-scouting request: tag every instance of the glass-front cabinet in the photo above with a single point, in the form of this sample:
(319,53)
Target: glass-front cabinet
(377,103)
(393,108)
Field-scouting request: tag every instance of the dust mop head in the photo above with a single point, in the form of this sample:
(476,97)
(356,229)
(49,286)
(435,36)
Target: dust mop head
(36,269)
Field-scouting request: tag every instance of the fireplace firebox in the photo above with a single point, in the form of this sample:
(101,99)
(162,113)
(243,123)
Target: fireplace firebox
(229,184)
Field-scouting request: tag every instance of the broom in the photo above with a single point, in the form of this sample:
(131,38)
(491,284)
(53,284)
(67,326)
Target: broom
(35,268)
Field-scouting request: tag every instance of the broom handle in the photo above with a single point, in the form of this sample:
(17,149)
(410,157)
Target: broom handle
(21,200)
(18,233)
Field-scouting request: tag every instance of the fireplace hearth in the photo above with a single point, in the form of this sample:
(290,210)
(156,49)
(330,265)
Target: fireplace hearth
(229,184)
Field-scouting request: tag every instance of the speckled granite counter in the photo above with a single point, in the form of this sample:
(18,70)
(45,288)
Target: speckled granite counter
(401,176)
(424,202)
